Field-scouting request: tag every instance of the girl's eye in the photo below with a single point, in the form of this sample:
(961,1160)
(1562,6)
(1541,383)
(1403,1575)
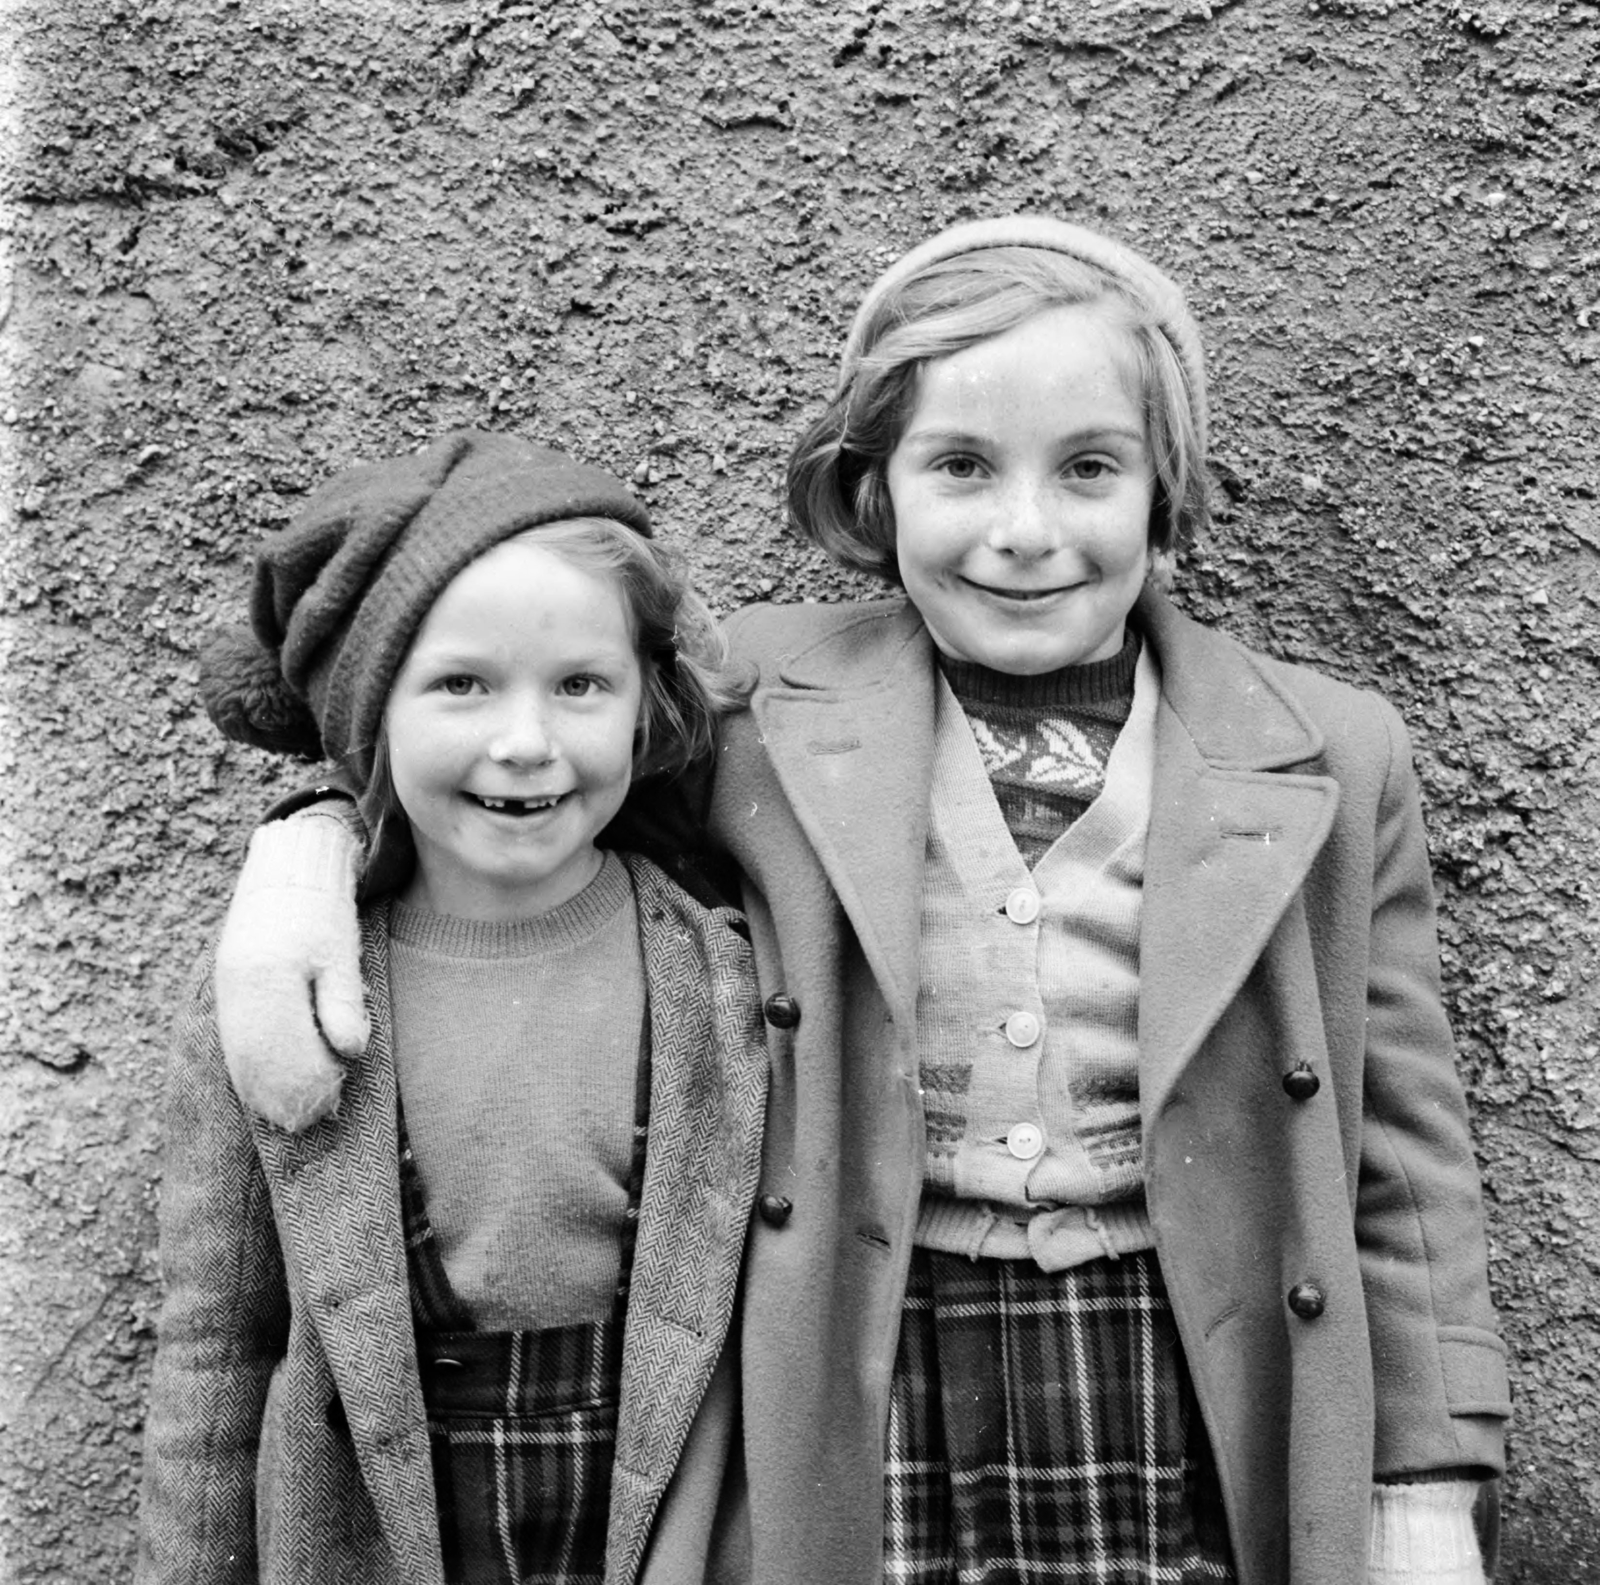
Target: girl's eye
(1089,468)
(579,687)
(457,687)
(959,467)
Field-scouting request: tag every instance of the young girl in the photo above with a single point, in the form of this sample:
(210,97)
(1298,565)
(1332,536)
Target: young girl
(393,1345)
(1118,1218)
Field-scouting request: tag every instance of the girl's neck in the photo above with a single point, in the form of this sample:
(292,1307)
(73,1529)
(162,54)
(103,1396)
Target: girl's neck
(1097,682)
(446,891)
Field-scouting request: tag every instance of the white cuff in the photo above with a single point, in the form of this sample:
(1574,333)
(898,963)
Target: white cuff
(312,850)
(1422,1534)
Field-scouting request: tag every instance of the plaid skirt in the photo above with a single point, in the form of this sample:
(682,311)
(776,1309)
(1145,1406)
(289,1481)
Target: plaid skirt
(522,1427)
(1043,1426)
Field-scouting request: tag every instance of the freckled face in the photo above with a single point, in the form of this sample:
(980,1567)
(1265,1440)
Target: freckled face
(1022,490)
(511,730)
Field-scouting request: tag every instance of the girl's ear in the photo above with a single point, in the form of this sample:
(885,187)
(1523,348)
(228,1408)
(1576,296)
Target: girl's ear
(1159,572)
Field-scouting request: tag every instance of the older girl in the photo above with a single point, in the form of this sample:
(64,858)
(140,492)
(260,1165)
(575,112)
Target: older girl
(1118,1218)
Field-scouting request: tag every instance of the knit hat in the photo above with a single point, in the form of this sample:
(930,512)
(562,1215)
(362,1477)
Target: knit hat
(340,593)
(1134,274)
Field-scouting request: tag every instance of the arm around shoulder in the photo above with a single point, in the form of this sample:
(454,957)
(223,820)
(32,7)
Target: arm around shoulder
(288,966)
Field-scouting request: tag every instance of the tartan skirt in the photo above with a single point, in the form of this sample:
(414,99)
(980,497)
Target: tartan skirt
(1043,1426)
(522,1428)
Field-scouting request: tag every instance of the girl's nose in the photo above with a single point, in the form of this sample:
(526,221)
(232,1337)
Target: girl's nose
(521,735)
(1024,524)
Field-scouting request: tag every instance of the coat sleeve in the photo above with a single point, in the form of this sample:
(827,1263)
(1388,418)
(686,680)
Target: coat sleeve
(1438,1364)
(223,1329)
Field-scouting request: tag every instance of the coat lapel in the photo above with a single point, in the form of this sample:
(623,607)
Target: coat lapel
(344,1250)
(707,1098)
(848,726)
(1232,834)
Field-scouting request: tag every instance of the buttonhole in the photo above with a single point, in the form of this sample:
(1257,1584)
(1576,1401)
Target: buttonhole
(832,745)
(1252,836)
(871,1236)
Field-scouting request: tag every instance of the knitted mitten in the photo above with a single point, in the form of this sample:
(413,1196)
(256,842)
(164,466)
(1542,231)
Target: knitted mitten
(288,968)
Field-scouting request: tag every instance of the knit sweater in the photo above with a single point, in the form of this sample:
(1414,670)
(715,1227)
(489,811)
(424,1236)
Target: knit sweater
(517,1048)
(1045,740)
(1027,1010)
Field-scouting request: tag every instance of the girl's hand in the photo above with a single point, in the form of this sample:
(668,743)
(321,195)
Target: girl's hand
(288,975)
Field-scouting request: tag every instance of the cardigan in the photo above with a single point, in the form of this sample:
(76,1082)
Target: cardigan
(1027,1011)
(286,1439)
(1308,1166)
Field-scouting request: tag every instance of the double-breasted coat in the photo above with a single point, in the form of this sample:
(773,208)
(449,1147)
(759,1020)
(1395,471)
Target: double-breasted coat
(1308,1167)
(286,1436)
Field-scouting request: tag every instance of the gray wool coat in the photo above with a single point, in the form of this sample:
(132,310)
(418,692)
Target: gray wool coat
(1287,923)
(286,1439)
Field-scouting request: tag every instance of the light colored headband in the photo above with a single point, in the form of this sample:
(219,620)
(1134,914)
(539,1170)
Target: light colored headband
(1163,295)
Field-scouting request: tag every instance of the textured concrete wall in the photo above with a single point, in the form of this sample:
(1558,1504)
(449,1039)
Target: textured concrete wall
(249,241)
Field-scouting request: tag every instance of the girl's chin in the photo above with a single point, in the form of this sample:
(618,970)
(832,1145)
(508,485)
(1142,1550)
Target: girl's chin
(1021,656)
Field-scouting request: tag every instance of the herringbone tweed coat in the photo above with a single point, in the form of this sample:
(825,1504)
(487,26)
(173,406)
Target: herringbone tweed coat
(286,1439)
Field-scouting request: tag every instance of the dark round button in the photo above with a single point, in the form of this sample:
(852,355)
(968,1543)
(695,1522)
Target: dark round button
(1300,1083)
(1307,1300)
(774,1209)
(782,1012)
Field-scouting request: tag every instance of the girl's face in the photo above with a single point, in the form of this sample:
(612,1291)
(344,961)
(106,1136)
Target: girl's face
(511,733)
(1022,490)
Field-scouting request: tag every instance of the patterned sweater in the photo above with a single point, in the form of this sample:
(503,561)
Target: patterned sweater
(1045,740)
(1028,1004)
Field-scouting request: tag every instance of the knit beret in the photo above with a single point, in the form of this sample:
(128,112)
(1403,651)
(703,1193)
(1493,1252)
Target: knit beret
(1161,296)
(339,594)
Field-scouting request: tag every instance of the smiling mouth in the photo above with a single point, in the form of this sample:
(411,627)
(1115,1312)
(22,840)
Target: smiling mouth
(515,806)
(1018,594)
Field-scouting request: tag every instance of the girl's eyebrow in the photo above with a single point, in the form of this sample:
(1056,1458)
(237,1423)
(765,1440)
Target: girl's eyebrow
(962,437)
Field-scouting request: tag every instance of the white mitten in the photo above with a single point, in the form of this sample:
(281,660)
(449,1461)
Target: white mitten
(288,976)
(1422,1534)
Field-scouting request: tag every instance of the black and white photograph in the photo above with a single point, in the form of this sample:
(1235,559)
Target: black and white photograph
(800,794)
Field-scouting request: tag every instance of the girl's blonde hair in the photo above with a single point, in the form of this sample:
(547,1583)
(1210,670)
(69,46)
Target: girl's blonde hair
(838,490)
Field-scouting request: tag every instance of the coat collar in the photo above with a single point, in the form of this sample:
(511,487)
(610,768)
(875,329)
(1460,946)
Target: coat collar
(1234,710)
(848,725)
(1238,812)
(861,648)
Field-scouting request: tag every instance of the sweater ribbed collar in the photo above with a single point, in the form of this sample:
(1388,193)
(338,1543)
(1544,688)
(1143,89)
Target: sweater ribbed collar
(1100,682)
(571,924)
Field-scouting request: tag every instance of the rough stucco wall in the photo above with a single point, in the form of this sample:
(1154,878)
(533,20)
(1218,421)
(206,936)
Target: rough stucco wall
(250,242)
